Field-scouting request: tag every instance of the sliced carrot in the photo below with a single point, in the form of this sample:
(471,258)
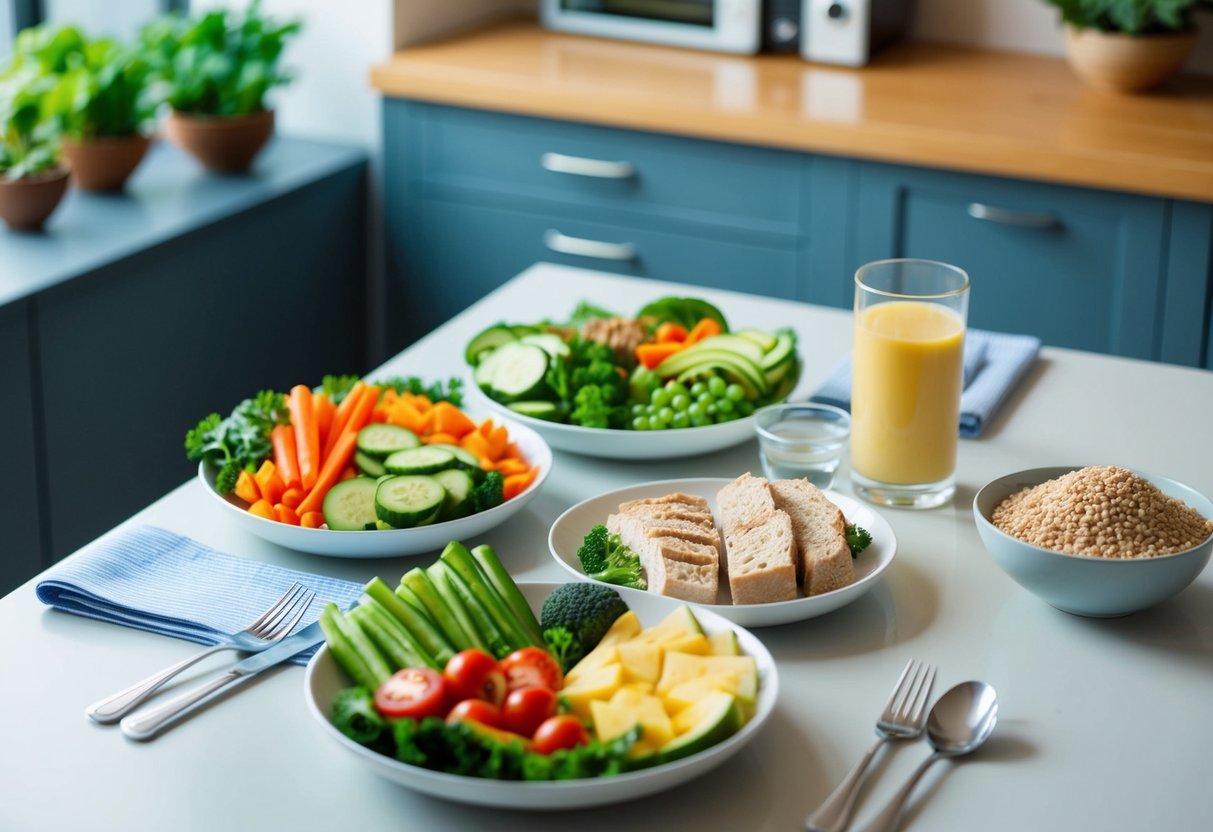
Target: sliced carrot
(247,488)
(293,496)
(269,482)
(360,416)
(670,331)
(263,508)
(286,514)
(486,427)
(452,420)
(508,466)
(282,437)
(307,434)
(517,483)
(312,520)
(325,411)
(418,401)
(438,438)
(512,451)
(706,328)
(406,415)
(331,473)
(498,439)
(341,416)
(476,444)
(650,355)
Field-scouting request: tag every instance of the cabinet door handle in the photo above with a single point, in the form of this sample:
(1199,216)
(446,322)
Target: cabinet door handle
(564,244)
(581,166)
(989,213)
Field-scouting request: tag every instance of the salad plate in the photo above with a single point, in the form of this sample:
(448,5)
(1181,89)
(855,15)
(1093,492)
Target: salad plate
(324,680)
(626,444)
(567,533)
(382,543)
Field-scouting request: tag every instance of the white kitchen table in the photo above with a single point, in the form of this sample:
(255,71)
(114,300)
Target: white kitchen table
(1103,724)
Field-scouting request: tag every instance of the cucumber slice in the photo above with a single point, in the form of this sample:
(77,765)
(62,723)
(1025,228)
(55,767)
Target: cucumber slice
(382,440)
(369,465)
(350,505)
(463,457)
(537,410)
(424,460)
(765,340)
(458,485)
(518,372)
(408,501)
(783,350)
(549,342)
(487,341)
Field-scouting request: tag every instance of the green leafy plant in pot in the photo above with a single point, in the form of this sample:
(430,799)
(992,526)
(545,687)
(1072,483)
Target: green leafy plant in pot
(32,177)
(1128,46)
(101,100)
(216,70)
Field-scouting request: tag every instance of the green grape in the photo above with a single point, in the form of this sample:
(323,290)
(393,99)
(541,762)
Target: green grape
(697,410)
(638,410)
(698,389)
(745,407)
(674,388)
(725,406)
(705,399)
(640,423)
(660,397)
(680,420)
(735,392)
(680,402)
(716,386)
(665,416)
(726,416)
(700,421)
(710,410)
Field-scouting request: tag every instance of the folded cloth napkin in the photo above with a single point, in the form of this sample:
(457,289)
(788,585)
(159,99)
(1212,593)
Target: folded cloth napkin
(155,580)
(993,363)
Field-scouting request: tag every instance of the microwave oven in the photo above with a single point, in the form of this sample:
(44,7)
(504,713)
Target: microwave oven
(843,32)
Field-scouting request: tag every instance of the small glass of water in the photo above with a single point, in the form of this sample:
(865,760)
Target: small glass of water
(802,440)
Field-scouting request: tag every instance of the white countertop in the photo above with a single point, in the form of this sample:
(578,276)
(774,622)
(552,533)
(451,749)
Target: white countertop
(1103,724)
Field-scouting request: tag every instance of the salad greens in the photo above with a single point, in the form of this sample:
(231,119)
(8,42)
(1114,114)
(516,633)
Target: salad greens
(858,539)
(685,312)
(239,442)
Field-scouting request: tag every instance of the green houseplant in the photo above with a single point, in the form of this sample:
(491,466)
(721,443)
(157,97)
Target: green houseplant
(1128,45)
(100,100)
(216,70)
(32,177)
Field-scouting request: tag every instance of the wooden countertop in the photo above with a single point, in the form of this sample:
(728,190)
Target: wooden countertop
(922,104)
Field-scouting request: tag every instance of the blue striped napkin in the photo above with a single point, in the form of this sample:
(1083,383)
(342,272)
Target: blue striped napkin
(994,363)
(152,579)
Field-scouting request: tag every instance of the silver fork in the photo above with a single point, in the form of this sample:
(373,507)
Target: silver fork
(271,626)
(903,718)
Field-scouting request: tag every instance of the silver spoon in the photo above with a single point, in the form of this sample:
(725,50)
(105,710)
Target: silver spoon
(960,721)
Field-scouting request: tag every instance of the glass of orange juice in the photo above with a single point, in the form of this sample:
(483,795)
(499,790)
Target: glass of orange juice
(907,372)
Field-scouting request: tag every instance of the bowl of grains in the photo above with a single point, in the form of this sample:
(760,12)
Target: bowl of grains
(1099,541)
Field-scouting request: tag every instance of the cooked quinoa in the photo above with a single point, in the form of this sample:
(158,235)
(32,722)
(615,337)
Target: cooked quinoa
(1102,511)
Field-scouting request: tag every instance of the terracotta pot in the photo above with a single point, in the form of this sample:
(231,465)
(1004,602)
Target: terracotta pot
(104,164)
(1115,62)
(222,143)
(25,204)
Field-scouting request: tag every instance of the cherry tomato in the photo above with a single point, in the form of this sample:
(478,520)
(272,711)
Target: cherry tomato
(531,667)
(412,692)
(526,708)
(477,710)
(564,731)
(473,674)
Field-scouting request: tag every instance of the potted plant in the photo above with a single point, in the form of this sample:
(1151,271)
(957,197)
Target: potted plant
(101,101)
(1128,45)
(32,178)
(217,69)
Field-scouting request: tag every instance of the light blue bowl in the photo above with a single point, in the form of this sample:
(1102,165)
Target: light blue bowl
(1090,586)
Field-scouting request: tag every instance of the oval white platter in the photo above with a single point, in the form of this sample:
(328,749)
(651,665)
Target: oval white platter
(627,444)
(324,679)
(567,533)
(382,543)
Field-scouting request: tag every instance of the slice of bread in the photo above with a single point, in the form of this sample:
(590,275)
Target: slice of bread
(674,511)
(744,503)
(697,583)
(692,544)
(762,561)
(676,497)
(820,531)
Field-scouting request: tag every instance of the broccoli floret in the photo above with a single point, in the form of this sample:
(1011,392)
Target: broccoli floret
(586,611)
(489,493)
(594,407)
(604,557)
(858,539)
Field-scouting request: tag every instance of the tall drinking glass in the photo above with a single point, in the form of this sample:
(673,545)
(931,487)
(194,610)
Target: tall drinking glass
(907,374)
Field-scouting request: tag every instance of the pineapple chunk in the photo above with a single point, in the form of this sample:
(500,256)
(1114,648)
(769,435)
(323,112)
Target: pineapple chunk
(650,712)
(641,661)
(724,643)
(626,627)
(681,622)
(684,667)
(686,694)
(696,643)
(600,683)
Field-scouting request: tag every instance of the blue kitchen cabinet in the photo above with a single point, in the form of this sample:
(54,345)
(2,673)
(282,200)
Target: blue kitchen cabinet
(1084,269)
(21,554)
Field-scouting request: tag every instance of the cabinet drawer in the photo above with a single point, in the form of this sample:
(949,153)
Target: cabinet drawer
(601,173)
(469,250)
(1078,268)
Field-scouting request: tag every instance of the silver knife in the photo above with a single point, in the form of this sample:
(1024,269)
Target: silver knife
(147,724)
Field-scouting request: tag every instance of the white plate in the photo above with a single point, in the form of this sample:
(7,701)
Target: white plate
(383,543)
(324,680)
(570,529)
(628,444)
